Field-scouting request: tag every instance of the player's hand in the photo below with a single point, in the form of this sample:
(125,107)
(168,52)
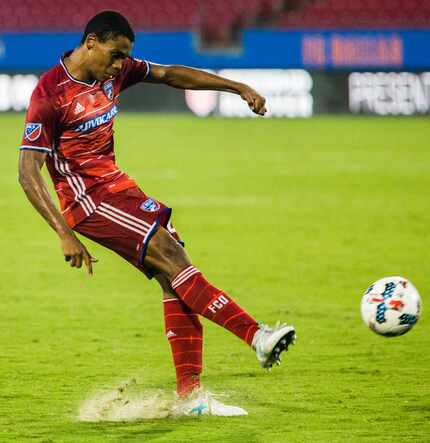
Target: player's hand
(76,253)
(255,101)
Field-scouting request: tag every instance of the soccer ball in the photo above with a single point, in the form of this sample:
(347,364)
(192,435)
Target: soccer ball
(391,306)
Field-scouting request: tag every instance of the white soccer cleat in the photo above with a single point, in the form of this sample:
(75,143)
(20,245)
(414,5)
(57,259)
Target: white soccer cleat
(203,403)
(270,343)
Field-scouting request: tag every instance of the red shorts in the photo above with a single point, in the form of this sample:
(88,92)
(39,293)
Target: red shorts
(125,222)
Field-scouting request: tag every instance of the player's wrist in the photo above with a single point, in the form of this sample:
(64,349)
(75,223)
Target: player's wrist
(65,233)
(241,88)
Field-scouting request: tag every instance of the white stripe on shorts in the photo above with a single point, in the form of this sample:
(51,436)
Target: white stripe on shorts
(124,219)
(121,221)
(124,214)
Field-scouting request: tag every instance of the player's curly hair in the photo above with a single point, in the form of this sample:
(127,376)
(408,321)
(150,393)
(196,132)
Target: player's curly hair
(107,25)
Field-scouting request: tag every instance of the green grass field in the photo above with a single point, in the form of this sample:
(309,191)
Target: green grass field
(294,219)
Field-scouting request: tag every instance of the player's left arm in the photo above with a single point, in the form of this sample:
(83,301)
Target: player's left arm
(189,78)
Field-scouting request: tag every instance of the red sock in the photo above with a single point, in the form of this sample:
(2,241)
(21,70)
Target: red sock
(185,334)
(204,299)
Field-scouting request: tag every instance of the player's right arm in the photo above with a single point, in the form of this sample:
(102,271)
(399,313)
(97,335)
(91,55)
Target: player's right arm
(31,180)
(37,139)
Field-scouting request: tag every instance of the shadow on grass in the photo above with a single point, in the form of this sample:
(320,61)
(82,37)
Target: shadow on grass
(207,429)
(143,430)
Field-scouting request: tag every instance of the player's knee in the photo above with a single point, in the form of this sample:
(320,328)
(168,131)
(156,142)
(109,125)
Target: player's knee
(165,254)
(168,292)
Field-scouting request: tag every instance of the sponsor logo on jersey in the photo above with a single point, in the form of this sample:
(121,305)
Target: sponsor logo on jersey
(108,89)
(33,131)
(150,205)
(170,334)
(78,108)
(98,121)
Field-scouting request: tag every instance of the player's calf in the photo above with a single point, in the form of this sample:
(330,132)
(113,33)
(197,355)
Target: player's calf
(185,335)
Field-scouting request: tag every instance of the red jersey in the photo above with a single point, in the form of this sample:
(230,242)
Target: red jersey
(72,121)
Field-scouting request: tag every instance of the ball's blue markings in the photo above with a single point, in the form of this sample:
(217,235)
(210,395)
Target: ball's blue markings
(382,308)
(380,313)
(389,289)
(369,289)
(408,319)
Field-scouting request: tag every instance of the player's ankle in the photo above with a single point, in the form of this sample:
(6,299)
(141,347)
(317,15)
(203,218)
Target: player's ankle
(189,389)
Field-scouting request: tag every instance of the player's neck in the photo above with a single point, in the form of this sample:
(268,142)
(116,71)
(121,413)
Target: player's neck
(75,64)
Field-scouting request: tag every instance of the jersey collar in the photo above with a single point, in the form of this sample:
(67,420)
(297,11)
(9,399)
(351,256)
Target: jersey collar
(66,54)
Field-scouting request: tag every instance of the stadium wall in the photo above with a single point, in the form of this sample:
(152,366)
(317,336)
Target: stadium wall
(327,50)
(303,73)
(289,93)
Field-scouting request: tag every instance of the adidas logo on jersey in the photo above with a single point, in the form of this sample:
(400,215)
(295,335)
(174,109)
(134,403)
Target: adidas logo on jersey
(78,108)
(170,334)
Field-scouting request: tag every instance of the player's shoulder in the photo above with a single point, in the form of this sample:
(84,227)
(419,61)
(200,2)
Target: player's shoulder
(127,65)
(134,68)
(51,85)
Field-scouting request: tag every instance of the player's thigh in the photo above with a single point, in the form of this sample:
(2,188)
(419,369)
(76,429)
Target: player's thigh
(125,222)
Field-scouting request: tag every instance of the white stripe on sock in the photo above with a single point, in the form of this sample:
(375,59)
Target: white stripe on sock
(184,276)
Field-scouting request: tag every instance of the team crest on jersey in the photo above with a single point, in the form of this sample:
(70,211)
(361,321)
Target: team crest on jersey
(32,131)
(108,89)
(150,205)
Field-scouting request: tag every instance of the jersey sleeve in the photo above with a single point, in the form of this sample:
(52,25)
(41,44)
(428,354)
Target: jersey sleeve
(39,126)
(134,71)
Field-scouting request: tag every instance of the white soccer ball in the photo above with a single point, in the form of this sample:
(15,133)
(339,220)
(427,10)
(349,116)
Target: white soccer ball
(391,306)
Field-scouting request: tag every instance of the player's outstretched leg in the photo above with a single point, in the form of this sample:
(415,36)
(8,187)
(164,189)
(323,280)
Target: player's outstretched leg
(185,335)
(207,300)
(214,304)
(167,257)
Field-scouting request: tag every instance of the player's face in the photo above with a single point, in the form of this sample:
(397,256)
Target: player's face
(106,58)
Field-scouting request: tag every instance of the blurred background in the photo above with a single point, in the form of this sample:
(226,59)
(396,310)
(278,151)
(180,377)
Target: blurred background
(307,56)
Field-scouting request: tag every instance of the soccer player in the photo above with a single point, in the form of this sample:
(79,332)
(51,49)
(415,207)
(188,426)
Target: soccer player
(69,128)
